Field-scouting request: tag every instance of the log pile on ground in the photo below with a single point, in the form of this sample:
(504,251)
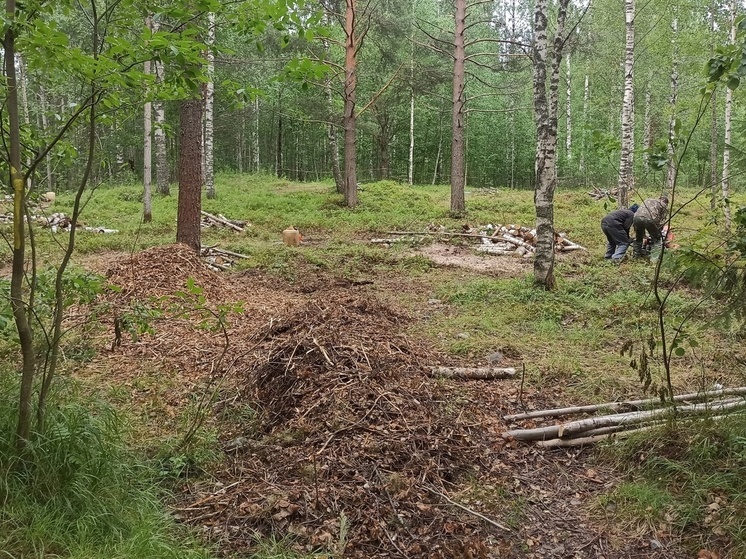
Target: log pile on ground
(220,221)
(604,193)
(508,240)
(629,417)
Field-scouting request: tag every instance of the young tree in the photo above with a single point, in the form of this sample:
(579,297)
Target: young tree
(458,148)
(353,40)
(728,126)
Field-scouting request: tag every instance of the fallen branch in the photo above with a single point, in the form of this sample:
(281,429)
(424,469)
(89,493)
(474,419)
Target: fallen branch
(480,373)
(228,252)
(223,221)
(441,234)
(567,430)
(496,250)
(466,509)
(591,439)
(516,241)
(630,405)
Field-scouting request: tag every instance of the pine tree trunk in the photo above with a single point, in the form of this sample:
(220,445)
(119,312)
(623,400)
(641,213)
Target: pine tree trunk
(209,109)
(147,155)
(626,163)
(725,183)
(671,168)
(458,150)
(190,174)
(350,118)
(410,169)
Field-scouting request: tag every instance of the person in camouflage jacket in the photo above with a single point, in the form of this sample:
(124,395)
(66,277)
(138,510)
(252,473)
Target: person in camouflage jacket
(650,218)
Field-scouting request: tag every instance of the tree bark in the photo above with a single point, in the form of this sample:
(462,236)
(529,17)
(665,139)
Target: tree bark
(350,118)
(713,129)
(162,168)
(28,367)
(458,151)
(147,149)
(626,164)
(568,109)
(190,174)
(647,121)
(725,183)
(671,167)
(209,106)
(586,99)
(44,127)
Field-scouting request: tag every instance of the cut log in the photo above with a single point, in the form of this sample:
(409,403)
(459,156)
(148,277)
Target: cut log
(629,405)
(480,373)
(567,430)
(222,221)
(516,241)
(229,253)
(495,250)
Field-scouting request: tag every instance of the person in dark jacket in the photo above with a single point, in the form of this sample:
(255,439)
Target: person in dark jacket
(616,227)
(650,218)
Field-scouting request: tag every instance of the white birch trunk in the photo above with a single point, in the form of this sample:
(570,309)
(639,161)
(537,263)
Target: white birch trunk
(410,171)
(147,155)
(44,127)
(162,170)
(671,168)
(458,150)
(22,79)
(255,139)
(626,164)
(647,122)
(725,183)
(440,148)
(209,108)
(586,99)
(568,109)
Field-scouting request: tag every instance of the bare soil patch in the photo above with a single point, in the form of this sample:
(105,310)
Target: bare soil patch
(463,256)
(334,434)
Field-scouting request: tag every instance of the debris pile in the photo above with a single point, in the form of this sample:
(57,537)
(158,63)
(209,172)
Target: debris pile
(220,221)
(604,193)
(363,448)
(60,222)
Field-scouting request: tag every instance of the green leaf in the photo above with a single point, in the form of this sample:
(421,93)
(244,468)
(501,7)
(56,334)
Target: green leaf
(733,82)
(679,351)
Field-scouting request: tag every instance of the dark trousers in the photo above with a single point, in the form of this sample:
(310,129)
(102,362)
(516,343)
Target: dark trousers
(644,225)
(617,240)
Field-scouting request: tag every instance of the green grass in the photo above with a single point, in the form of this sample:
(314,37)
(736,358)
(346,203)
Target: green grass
(688,479)
(77,492)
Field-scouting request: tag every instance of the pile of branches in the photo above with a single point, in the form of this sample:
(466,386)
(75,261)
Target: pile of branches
(604,193)
(627,417)
(222,222)
(354,448)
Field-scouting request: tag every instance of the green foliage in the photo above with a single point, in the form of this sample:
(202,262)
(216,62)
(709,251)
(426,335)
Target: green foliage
(688,478)
(77,493)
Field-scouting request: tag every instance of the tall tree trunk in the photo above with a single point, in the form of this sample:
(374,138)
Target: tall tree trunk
(671,168)
(568,109)
(458,151)
(190,174)
(255,139)
(586,99)
(713,128)
(23,84)
(147,148)
(209,109)
(13,139)
(725,183)
(410,169)
(332,132)
(512,143)
(626,163)
(279,153)
(241,141)
(350,118)
(545,113)
(44,127)
(647,122)
(438,155)
(162,168)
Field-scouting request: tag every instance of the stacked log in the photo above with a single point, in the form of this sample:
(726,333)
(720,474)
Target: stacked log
(629,417)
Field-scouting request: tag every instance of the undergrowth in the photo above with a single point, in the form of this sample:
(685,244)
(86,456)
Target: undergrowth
(77,492)
(687,479)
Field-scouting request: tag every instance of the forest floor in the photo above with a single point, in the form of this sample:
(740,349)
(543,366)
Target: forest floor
(333,433)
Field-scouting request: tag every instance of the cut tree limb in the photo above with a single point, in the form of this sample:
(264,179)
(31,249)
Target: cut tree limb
(223,221)
(628,405)
(480,373)
(567,430)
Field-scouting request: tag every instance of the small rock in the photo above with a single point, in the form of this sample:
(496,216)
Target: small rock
(655,544)
(462,335)
(496,357)
(433,302)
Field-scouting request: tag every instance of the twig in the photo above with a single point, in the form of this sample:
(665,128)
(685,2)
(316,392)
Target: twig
(470,511)
(223,221)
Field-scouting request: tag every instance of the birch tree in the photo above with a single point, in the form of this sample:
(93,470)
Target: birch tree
(209,106)
(458,150)
(671,170)
(626,170)
(725,182)
(545,115)
(147,200)
(162,170)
